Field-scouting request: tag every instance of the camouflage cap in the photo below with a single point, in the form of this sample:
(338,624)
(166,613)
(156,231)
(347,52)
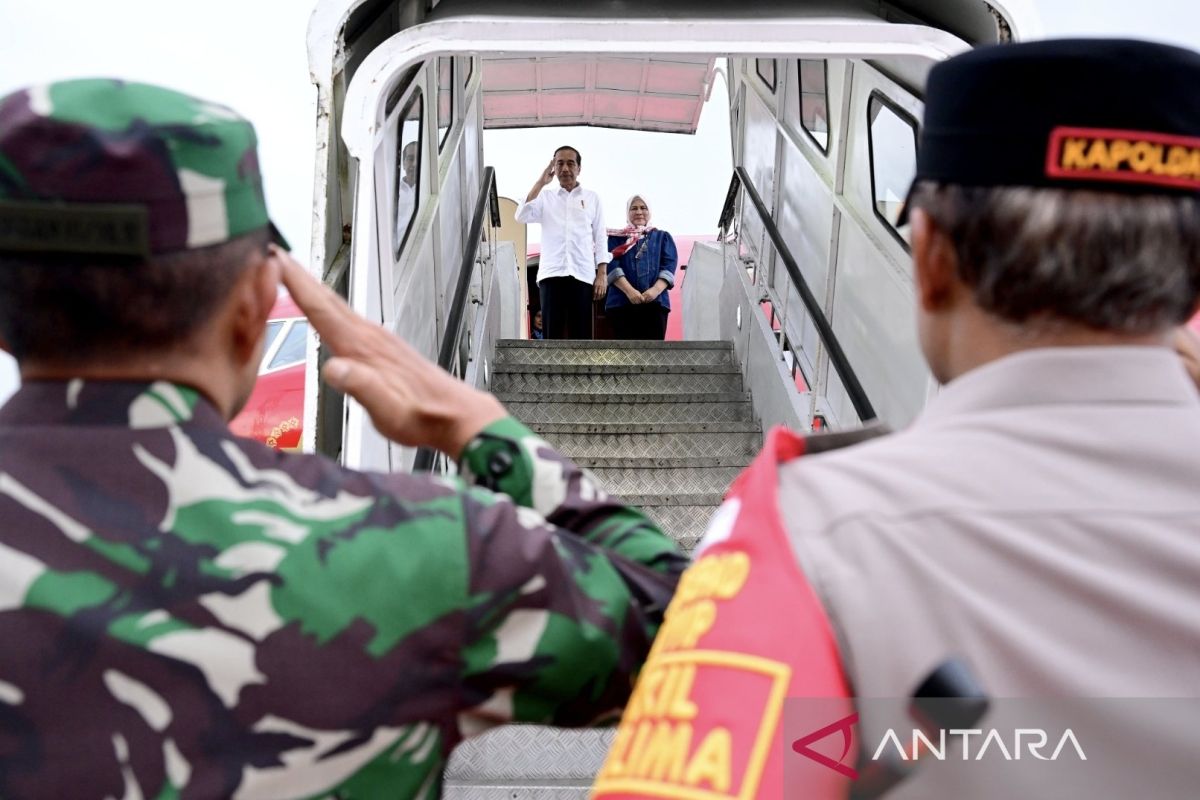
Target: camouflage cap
(111,167)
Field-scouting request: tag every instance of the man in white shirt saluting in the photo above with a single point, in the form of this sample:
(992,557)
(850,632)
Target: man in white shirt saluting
(573,269)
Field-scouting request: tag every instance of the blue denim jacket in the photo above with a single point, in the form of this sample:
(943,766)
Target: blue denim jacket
(652,258)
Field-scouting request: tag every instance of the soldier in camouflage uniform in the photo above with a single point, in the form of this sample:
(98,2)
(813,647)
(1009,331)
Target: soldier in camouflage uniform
(185,613)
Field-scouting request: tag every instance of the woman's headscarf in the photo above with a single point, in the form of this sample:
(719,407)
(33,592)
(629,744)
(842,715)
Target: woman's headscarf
(632,233)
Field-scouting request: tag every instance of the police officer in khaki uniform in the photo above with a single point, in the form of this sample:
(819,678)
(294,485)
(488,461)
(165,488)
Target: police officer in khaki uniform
(1040,521)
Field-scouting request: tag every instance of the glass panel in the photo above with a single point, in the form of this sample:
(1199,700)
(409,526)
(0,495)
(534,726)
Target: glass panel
(445,97)
(408,169)
(765,67)
(273,329)
(814,102)
(292,350)
(893,138)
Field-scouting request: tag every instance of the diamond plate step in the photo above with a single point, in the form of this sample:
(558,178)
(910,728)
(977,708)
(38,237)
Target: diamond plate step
(610,428)
(592,441)
(590,397)
(615,354)
(675,462)
(710,499)
(632,415)
(530,754)
(618,369)
(574,345)
(616,384)
(684,524)
(625,481)
(556,791)
(664,425)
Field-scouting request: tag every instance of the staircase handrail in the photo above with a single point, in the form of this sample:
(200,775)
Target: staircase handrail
(837,356)
(488,200)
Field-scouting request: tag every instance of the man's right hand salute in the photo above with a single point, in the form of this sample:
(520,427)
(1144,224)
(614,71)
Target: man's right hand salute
(543,180)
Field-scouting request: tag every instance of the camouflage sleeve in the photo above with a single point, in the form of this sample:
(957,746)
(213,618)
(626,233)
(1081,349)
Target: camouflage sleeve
(567,586)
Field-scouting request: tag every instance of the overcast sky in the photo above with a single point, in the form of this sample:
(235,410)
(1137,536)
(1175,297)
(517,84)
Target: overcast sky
(248,54)
(251,55)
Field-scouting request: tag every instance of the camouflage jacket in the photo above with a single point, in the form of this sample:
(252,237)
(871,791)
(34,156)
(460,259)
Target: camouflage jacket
(185,613)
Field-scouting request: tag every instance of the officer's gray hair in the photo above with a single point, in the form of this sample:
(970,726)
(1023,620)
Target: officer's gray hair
(1041,257)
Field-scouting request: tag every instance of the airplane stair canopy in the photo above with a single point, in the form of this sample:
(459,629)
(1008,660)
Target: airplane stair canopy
(636,93)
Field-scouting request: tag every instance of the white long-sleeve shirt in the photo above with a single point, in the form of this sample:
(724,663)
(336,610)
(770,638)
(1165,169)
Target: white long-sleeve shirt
(574,241)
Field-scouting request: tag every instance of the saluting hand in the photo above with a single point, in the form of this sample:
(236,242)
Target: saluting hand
(548,173)
(411,400)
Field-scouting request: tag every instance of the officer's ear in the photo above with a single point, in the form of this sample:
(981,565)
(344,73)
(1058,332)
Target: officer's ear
(935,262)
(268,283)
(253,298)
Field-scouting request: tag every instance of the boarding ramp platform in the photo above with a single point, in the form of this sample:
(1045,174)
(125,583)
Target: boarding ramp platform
(664,425)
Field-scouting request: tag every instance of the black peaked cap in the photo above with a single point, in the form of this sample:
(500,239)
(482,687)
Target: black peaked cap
(1105,114)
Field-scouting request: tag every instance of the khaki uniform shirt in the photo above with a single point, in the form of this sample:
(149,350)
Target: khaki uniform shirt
(1040,520)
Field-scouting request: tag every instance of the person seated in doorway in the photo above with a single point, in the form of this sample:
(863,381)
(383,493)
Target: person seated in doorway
(640,273)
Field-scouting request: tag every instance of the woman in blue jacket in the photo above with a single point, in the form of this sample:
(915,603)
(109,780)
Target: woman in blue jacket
(641,271)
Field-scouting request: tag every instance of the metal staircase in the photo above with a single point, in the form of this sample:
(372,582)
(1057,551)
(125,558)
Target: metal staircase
(665,425)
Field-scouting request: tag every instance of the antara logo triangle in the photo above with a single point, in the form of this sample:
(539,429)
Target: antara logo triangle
(845,726)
